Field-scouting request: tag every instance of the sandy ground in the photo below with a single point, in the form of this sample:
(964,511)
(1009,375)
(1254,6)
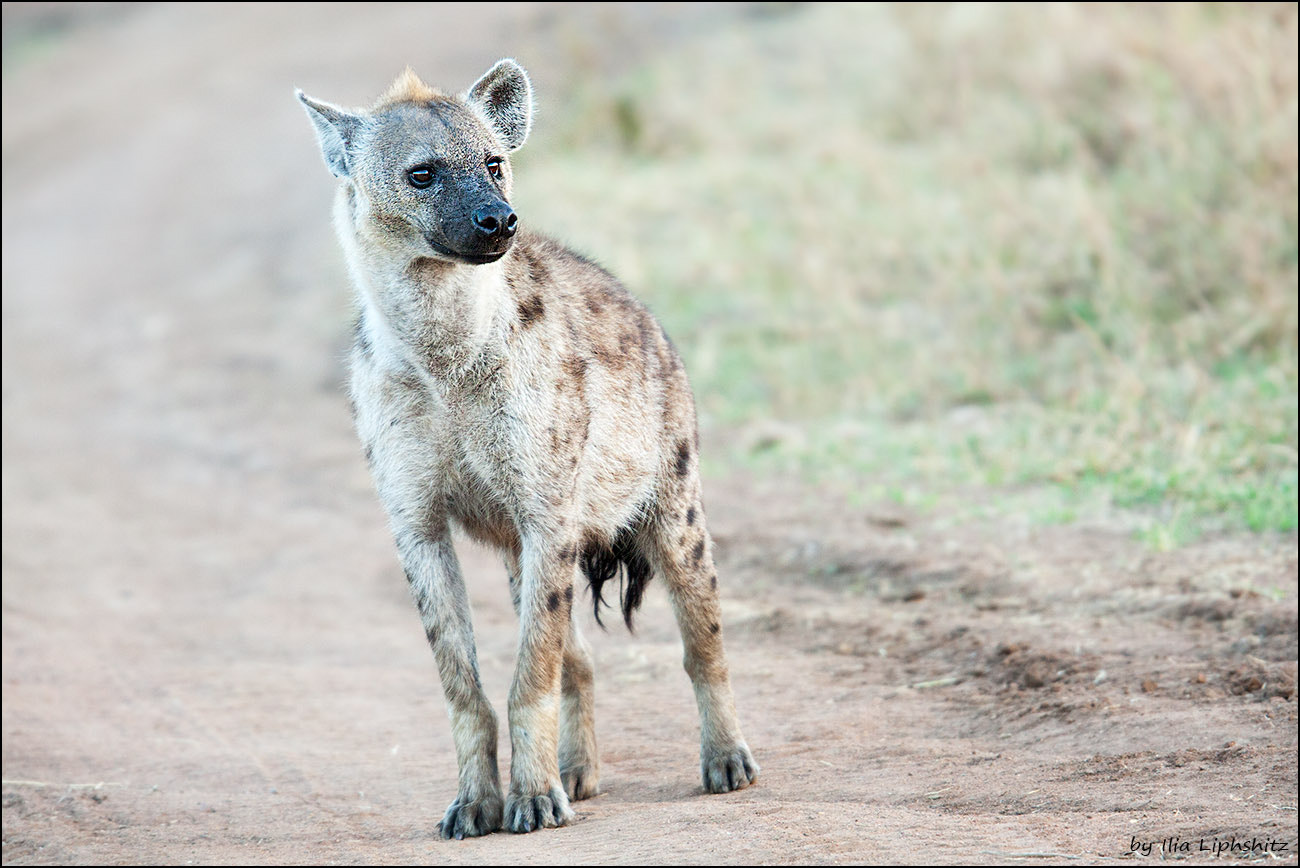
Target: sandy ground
(209,655)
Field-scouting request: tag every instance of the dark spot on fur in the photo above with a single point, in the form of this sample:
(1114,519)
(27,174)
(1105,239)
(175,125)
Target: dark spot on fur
(568,592)
(690,515)
(361,340)
(370,455)
(683,457)
(714,628)
(697,552)
(409,378)
(610,357)
(531,310)
(537,270)
(431,633)
(409,579)
(646,335)
(553,601)
(576,367)
(713,581)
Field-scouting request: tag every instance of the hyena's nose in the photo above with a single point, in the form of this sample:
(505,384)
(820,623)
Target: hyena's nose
(495,221)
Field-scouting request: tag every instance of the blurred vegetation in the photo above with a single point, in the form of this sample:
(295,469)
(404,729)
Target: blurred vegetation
(922,248)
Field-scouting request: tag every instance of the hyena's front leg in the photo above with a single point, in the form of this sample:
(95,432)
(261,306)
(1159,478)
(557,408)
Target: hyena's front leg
(537,797)
(579,760)
(685,557)
(391,413)
(439,592)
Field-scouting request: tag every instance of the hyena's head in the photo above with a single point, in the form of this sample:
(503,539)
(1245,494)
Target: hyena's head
(427,174)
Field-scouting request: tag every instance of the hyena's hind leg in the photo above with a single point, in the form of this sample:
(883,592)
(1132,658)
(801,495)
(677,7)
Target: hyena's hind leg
(579,761)
(683,553)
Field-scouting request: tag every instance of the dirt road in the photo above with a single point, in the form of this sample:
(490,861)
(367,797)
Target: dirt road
(208,651)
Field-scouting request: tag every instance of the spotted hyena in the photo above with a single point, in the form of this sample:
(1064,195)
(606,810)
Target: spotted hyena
(507,386)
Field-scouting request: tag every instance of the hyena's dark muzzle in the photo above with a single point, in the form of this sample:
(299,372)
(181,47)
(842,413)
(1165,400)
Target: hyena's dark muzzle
(478,232)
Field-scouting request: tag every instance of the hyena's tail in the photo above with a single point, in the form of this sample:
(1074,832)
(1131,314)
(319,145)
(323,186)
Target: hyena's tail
(602,561)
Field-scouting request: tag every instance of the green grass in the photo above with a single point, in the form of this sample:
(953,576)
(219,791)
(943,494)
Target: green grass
(920,249)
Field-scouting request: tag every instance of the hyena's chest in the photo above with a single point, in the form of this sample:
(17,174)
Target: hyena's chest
(514,462)
(476,482)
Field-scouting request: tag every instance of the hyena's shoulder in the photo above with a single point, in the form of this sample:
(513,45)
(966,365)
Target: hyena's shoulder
(573,300)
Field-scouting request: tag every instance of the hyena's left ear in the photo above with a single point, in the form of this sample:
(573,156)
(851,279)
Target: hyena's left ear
(505,96)
(335,130)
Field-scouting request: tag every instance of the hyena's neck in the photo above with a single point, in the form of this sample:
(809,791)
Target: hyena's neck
(448,320)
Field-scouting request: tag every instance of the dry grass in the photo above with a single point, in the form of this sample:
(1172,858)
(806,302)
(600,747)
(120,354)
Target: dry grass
(915,248)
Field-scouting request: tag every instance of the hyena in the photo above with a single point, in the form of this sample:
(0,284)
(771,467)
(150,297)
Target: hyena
(507,386)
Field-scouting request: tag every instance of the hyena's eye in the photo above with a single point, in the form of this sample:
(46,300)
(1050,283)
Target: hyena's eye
(494,167)
(420,177)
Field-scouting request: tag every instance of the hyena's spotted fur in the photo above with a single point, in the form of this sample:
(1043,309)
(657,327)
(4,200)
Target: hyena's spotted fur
(508,386)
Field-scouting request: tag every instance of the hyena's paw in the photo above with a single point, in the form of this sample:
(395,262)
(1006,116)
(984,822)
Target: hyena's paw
(469,819)
(728,768)
(581,781)
(524,813)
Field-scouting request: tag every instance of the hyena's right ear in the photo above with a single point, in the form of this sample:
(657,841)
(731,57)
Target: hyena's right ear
(335,129)
(505,97)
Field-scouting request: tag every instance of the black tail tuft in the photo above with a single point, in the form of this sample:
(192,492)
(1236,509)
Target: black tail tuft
(602,562)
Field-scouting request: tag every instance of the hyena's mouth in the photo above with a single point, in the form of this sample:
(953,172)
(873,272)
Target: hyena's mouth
(466,257)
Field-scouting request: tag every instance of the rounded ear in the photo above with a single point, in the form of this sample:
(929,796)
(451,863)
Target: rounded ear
(505,97)
(335,130)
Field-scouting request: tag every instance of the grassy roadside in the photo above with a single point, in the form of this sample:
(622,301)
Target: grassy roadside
(908,249)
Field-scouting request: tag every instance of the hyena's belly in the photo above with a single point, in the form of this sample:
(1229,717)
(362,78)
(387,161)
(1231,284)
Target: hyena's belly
(621,464)
(617,484)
